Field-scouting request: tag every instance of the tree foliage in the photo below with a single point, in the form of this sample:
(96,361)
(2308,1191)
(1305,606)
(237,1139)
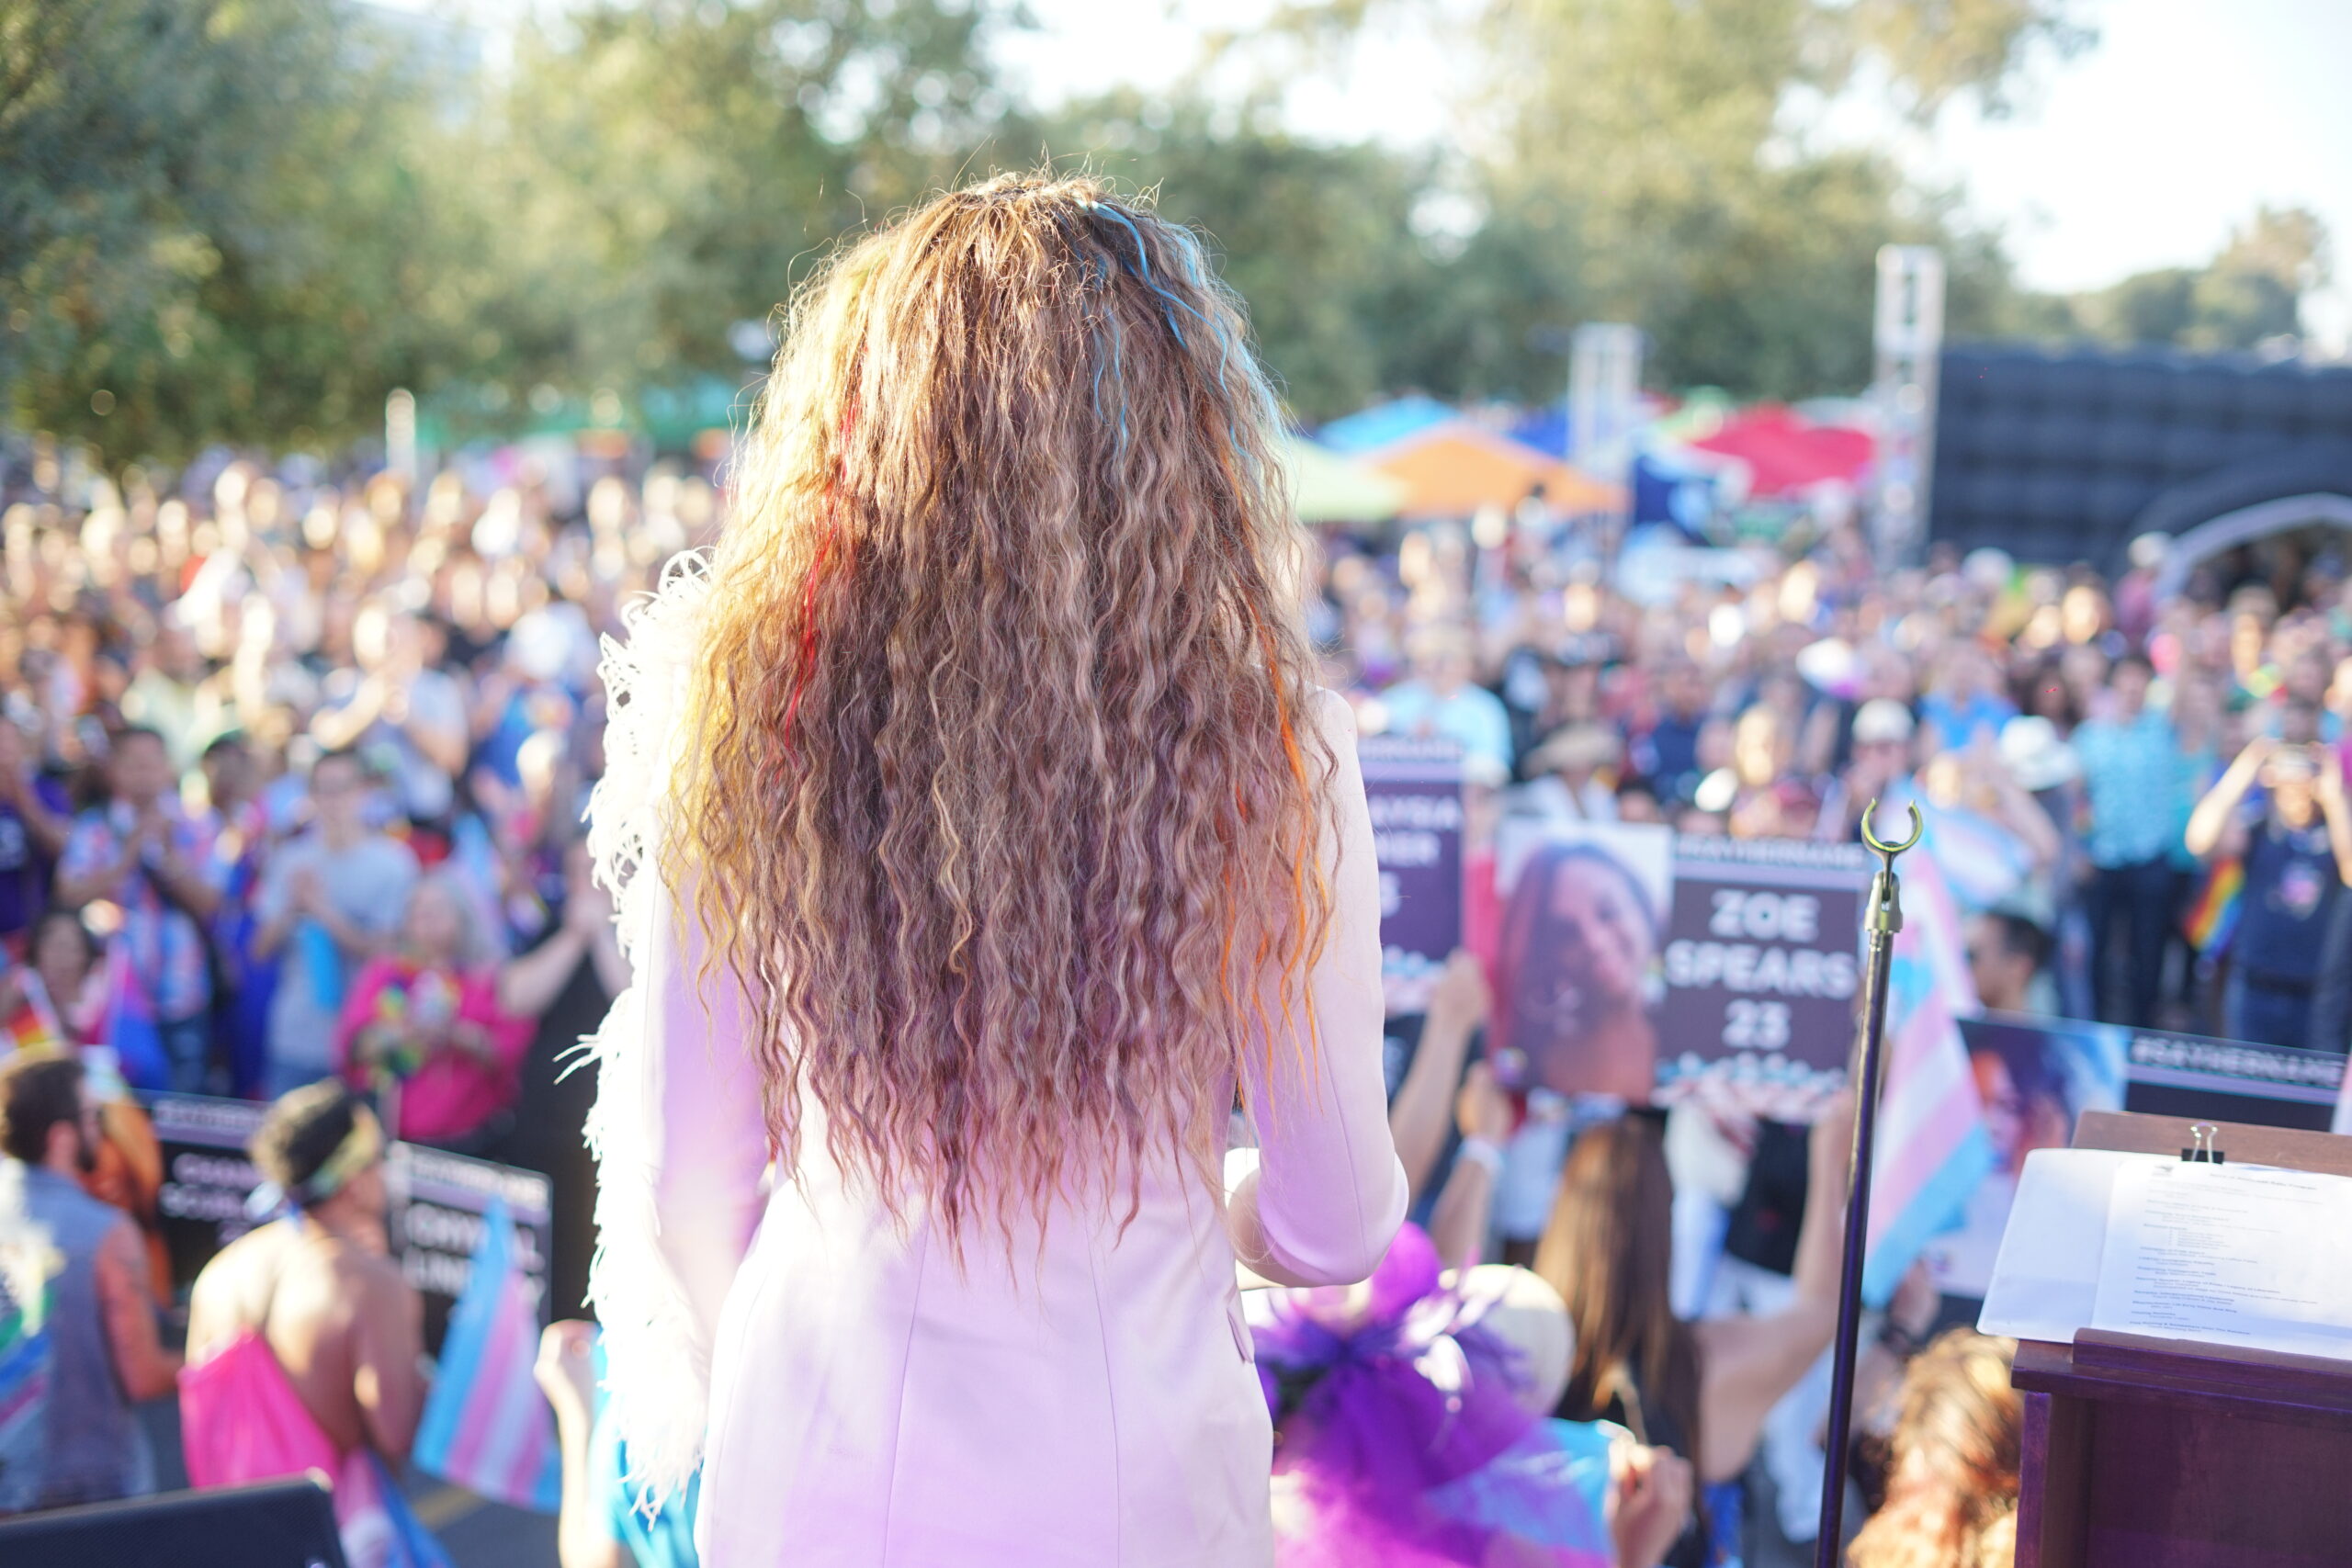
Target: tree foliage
(664,169)
(2250,293)
(248,220)
(213,221)
(1668,131)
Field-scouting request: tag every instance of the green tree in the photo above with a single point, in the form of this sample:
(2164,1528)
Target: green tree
(1664,129)
(661,170)
(1318,240)
(2251,291)
(212,222)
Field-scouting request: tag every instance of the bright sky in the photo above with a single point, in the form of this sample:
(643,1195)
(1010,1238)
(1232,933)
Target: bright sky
(2184,118)
(2141,152)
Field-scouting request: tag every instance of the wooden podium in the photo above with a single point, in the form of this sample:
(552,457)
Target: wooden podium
(2165,1453)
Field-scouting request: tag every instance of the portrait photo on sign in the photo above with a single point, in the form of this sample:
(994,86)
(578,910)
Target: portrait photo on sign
(1584,908)
(2036,1077)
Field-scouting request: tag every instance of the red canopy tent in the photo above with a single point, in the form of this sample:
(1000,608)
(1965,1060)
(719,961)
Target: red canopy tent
(1785,452)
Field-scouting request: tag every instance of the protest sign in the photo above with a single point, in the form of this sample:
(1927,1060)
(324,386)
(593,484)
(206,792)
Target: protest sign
(2230,1080)
(206,1177)
(2035,1077)
(439,1201)
(1762,969)
(1413,790)
(1576,975)
(436,1200)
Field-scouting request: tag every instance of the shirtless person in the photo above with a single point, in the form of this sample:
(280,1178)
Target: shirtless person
(319,1290)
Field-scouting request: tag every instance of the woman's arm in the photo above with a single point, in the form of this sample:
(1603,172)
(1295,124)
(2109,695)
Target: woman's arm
(1747,1363)
(706,1135)
(566,1374)
(528,985)
(1459,1223)
(502,1036)
(387,1349)
(1329,1193)
(359,1010)
(2208,823)
(1423,1109)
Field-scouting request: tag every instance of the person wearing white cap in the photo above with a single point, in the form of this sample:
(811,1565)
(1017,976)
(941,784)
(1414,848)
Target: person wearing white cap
(1880,767)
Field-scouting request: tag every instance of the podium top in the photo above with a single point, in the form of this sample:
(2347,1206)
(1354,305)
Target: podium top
(2131,1132)
(2180,1374)
(2224,1378)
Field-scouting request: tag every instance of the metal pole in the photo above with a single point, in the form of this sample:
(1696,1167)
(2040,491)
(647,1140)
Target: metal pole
(1908,333)
(1885,919)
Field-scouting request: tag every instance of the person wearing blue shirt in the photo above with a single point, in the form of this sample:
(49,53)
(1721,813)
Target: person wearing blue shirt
(1440,701)
(2279,811)
(1966,702)
(2133,774)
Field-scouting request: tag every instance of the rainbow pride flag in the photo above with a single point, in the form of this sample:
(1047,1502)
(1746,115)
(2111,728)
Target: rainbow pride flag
(35,1026)
(1932,1150)
(25,1297)
(486,1425)
(2213,918)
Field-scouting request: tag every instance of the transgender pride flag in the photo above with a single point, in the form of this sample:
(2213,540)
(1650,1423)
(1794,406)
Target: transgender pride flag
(1932,1150)
(486,1425)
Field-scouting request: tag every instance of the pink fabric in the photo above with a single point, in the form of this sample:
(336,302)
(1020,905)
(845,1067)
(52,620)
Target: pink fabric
(241,1419)
(1482,913)
(874,1403)
(455,1091)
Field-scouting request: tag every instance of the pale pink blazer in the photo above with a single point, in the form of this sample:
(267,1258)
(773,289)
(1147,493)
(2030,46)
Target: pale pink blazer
(871,1407)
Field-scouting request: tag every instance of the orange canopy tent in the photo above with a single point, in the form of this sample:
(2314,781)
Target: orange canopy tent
(1454,468)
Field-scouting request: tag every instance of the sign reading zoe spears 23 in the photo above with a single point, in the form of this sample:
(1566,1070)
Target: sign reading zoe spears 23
(1761,966)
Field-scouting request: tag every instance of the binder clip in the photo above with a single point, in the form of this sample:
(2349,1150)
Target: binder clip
(2202,1152)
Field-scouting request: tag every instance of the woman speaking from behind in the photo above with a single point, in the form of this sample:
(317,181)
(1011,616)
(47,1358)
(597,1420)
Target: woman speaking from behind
(981,837)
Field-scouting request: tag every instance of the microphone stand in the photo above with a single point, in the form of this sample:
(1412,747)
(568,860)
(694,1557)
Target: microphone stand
(1884,918)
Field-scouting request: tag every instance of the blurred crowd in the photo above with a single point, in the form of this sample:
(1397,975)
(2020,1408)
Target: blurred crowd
(291,787)
(2139,801)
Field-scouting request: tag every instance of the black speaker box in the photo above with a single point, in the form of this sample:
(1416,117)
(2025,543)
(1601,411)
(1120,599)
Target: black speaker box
(271,1524)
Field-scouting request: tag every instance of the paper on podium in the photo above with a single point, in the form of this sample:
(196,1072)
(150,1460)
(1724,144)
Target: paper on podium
(2230,1254)
(2045,1278)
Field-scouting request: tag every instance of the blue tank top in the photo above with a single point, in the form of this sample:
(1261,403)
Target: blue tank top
(92,1448)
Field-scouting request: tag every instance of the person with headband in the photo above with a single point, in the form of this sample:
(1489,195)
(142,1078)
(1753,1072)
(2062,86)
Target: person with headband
(304,1338)
(980,839)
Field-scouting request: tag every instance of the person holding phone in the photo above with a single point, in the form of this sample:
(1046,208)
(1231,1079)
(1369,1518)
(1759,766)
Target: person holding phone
(2294,837)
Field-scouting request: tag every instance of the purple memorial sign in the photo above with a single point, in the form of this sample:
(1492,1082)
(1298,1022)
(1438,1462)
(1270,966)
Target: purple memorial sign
(1762,971)
(1413,789)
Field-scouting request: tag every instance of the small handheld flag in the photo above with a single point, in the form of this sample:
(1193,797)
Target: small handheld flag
(486,1425)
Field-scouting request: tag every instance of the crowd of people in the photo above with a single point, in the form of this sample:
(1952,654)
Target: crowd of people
(293,771)
(2142,800)
(291,784)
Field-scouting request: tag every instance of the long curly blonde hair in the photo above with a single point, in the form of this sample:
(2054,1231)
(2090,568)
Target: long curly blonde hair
(1952,1489)
(1005,802)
